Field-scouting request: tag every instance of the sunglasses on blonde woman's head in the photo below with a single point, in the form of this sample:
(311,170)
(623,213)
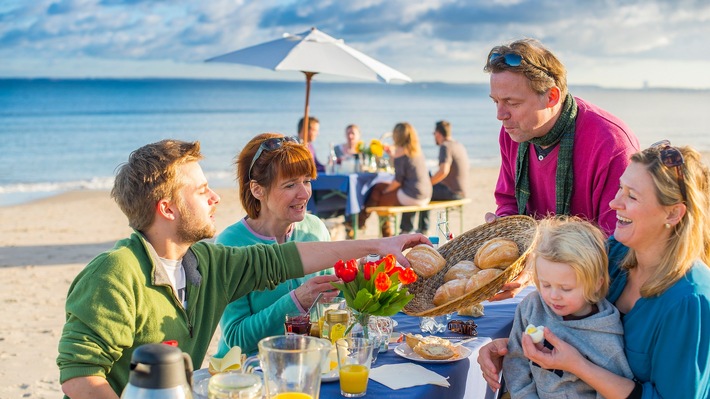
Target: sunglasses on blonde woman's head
(671,157)
(270,145)
(515,60)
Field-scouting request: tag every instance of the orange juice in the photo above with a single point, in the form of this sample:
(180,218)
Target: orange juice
(292,395)
(353,378)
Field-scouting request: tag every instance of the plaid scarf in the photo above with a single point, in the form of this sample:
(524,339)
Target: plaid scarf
(562,132)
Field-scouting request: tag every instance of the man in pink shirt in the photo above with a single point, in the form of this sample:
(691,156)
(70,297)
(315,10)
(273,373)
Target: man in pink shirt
(559,154)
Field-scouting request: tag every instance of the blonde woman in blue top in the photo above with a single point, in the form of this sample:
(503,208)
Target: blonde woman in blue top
(660,282)
(274,175)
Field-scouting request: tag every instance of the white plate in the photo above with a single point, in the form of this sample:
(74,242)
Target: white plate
(332,375)
(460,352)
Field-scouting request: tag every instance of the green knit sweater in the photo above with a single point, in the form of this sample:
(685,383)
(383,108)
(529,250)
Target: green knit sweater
(121,301)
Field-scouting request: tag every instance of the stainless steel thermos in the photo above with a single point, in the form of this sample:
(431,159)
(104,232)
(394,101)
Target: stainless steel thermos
(159,371)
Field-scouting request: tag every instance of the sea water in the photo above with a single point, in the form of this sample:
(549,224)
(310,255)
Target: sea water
(58,135)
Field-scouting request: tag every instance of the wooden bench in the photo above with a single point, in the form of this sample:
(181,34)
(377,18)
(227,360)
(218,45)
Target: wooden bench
(386,212)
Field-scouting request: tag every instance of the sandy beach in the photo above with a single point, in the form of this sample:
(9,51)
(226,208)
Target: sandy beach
(45,243)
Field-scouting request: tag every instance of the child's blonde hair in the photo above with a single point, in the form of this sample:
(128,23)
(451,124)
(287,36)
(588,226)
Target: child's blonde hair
(579,244)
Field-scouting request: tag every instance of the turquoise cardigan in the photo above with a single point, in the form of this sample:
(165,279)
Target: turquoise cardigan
(261,313)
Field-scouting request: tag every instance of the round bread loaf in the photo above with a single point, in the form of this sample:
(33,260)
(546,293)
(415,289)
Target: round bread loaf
(425,260)
(449,291)
(433,351)
(481,278)
(462,270)
(496,253)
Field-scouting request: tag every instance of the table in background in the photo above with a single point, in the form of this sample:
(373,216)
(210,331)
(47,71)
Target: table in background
(464,375)
(343,194)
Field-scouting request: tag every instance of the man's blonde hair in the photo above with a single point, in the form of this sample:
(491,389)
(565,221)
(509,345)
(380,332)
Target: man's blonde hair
(540,66)
(149,176)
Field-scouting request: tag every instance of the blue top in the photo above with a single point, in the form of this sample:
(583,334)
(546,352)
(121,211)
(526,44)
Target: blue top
(667,337)
(261,314)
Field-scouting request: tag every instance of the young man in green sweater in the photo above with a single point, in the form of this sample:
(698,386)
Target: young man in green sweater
(164,283)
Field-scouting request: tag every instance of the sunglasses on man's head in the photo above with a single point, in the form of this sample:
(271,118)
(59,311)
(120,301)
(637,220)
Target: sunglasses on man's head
(515,60)
(270,145)
(671,157)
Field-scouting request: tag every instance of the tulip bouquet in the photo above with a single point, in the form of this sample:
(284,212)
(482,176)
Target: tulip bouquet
(376,289)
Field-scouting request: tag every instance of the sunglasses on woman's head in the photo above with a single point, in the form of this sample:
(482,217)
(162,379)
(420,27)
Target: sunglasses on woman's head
(671,157)
(515,60)
(270,145)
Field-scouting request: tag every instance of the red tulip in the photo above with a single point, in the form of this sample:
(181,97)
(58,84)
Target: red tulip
(368,269)
(382,282)
(407,276)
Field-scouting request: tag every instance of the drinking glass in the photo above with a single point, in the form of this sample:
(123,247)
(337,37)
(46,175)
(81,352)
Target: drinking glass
(297,323)
(292,366)
(325,304)
(354,360)
(234,385)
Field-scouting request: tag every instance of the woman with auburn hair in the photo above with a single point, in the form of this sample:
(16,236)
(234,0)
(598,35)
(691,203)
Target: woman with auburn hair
(660,282)
(274,173)
(411,184)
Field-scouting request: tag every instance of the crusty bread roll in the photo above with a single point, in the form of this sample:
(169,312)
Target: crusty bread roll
(449,291)
(425,260)
(481,278)
(475,310)
(413,340)
(497,252)
(434,351)
(462,270)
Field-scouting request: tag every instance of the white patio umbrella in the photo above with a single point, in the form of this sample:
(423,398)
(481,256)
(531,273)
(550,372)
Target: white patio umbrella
(313,52)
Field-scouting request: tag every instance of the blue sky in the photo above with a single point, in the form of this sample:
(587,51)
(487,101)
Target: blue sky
(610,43)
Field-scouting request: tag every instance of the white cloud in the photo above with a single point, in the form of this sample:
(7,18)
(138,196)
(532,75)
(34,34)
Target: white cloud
(607,43)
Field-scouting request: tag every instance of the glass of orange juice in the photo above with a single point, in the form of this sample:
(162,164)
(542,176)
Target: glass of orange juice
(354,360)
(292,366)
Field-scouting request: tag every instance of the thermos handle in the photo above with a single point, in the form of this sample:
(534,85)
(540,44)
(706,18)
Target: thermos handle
(188,368)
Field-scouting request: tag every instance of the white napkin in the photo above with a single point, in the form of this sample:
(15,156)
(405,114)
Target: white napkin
(405,375)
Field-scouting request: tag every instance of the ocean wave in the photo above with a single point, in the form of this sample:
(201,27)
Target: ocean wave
(96,183)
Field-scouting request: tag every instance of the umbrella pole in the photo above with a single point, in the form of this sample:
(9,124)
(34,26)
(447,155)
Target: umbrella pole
(309,76)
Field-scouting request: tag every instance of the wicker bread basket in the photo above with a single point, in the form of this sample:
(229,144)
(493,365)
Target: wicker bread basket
(520,229)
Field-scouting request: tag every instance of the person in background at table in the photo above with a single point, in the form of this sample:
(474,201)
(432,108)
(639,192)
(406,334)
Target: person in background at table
(450,179)
(559,154)
(164,283)
(313,129)
(411,184)
(348,149)
(659,280)
(570,272)
(274,188)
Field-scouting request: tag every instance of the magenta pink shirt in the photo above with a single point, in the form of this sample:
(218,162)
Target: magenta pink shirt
(603,145)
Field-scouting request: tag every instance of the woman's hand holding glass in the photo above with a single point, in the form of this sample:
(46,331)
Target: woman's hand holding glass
(308,292)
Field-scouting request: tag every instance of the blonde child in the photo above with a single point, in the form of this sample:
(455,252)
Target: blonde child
(570,272)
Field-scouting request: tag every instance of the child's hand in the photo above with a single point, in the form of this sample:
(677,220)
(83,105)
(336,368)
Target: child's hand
(563,357)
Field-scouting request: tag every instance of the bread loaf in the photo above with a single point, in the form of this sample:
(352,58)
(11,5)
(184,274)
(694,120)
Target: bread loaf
(449,291)
(425,260)
(481,278)
(475,310)
(496,253)
(434,351)
(462,270)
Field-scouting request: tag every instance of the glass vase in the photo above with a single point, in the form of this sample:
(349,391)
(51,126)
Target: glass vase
(360,327)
